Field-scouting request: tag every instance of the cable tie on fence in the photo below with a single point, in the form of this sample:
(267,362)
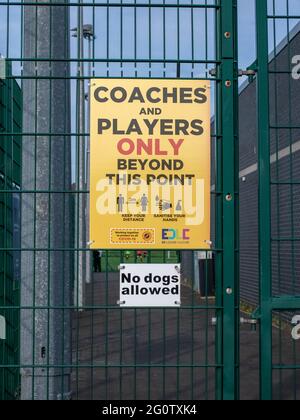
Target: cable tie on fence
(121,302)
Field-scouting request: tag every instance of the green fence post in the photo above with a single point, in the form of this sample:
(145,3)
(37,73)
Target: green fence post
(264,200)
(230,197)
(218,218)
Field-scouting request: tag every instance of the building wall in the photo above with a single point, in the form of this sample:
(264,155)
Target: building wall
(285,168)
(10,178)
(248,196)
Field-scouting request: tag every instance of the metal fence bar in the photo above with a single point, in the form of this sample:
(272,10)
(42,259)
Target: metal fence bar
(113,5)
(264,200)
(230,197)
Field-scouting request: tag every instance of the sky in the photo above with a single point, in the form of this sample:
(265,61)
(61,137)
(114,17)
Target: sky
(188,45)
(195,38)
(10,43)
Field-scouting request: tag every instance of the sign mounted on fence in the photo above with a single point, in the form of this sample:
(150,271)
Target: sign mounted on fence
(150,164)
(150,285)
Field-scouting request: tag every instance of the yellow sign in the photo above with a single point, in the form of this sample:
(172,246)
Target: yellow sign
(150,164)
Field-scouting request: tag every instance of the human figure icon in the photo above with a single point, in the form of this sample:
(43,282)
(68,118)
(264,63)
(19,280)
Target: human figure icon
(120,203)
(179,205)
(144,203)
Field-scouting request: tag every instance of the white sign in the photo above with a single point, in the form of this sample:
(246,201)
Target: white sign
(296,329)
(150,285)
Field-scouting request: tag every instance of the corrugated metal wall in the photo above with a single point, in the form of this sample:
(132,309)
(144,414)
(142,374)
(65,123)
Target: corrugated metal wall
(248,196)
(285,157)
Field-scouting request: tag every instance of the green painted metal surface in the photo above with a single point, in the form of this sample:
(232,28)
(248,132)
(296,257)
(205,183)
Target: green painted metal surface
(230,198)
(264,200)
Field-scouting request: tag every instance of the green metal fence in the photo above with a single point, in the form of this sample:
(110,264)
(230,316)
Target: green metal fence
(278,127)
(76,342)
(66,336)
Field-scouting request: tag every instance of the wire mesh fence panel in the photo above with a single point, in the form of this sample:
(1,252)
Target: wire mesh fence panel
(278,43)
(66,335)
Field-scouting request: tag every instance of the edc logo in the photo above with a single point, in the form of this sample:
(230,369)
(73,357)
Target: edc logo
(175,234)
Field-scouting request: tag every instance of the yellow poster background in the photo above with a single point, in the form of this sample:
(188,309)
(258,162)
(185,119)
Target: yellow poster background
(175,215)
